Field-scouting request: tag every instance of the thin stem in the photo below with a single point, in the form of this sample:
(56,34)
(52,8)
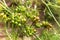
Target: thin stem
(3,4)
(53,5)
(5,8)
(8,35)
(37,37)
(7,32)
(51,13)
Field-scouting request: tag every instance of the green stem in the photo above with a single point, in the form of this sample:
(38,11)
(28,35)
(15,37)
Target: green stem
(53,5)
(7,32)
(3,4)
(37,37)
(51,13)
(5,8)
(8,35)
